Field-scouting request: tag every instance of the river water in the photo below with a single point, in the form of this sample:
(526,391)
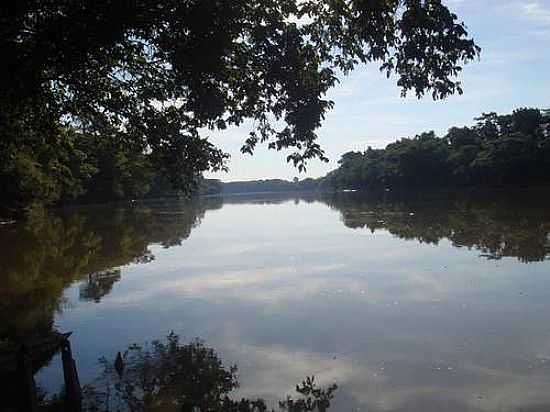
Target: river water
(408,303)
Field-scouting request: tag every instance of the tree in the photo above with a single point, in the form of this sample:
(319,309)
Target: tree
(156,74)
(527,120)
(462,136)
(121,170)
(512,149)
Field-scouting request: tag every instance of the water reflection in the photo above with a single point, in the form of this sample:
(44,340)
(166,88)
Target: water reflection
(167,375)
(98,284)
(497,224)
(44,255)
(408,303)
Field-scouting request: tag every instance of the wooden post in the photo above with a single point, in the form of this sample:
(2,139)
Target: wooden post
(27,387)
(73,394)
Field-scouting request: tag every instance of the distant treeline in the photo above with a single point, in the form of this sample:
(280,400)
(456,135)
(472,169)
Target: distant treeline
(498,150)
(270,185)
(217,187)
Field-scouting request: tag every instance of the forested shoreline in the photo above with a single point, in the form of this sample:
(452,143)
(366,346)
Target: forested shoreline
(80,168)
(499,150)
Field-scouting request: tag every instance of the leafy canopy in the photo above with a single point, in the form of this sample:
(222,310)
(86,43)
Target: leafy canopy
(153,75)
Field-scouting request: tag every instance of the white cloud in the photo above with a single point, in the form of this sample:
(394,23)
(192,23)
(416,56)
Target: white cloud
(536,11)
(271,371)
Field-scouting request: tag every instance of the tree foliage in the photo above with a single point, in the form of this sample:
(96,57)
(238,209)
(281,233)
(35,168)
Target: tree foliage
(498,150)
(151,77)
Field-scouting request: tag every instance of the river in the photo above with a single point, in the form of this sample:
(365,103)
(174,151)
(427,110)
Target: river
(407,302)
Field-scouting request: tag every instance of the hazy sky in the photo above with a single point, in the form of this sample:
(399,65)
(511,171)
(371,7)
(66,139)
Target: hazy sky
(514,71)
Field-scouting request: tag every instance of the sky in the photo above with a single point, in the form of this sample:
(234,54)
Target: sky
(513,71)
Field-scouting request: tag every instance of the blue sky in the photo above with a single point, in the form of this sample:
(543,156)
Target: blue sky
(514,71)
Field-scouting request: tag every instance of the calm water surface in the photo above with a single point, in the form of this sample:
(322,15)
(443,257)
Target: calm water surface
(408,304)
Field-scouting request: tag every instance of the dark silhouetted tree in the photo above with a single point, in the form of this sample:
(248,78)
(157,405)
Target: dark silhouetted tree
(151,76)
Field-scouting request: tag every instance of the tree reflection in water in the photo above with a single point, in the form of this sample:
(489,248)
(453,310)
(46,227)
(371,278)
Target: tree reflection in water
(168,376)
(98,284)
(497,224)
(49,252)
(44,255)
